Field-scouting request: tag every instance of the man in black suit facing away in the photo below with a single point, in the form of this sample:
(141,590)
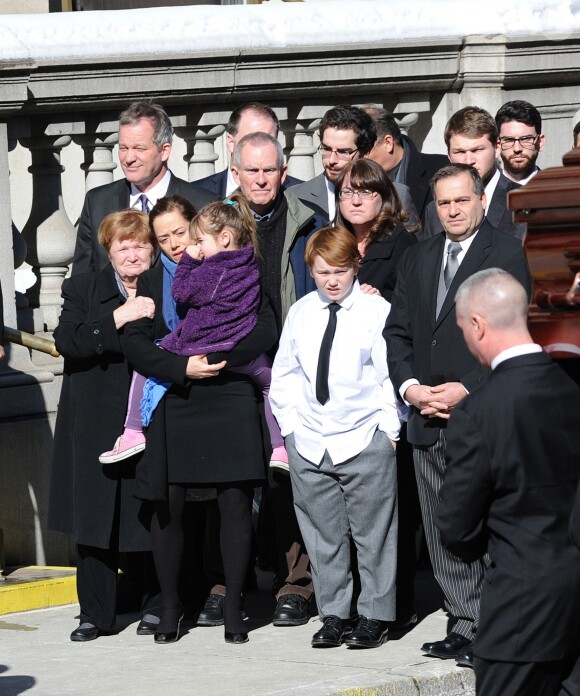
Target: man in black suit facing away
(145,135)
(432,369)
(471,137)
(247,118)
(513,461)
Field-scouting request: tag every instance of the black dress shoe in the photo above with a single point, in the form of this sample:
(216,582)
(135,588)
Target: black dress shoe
(212,613)
(162,637)
(332,633)
(447,648)
(236,637)
(146,628)
(465,658)
(86,631)
(368,633)
(291,610)
(403,622)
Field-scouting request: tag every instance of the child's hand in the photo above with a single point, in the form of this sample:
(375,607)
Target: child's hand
(194,251)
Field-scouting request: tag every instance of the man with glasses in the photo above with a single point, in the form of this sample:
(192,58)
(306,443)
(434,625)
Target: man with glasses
(471,136)
(346,133)
(520,138)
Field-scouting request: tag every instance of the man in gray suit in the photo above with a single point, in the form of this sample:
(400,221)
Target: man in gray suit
(145,134)
(346,133)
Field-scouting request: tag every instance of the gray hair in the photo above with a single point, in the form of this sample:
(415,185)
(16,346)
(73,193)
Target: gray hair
(162,128)
(257,139)
(496,295)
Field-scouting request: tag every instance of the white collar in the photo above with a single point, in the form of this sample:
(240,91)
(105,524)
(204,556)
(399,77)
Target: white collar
(514,352)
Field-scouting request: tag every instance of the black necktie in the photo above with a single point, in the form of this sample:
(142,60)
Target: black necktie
(324,356)
(452,264)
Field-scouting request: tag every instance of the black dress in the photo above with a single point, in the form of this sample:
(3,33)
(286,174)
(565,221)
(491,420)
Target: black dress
(204,431)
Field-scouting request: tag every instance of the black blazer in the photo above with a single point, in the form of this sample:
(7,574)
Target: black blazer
(1,317)
(99,202)
(379,264)
(433,350)
(420,169)
(217,183)
(513,460)
(497,215)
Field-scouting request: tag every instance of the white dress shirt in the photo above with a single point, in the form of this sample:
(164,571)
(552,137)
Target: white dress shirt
(153,195)
(331,199)
(362,398)
(514,352)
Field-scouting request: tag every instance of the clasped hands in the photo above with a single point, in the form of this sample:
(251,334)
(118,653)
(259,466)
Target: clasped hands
(438,401)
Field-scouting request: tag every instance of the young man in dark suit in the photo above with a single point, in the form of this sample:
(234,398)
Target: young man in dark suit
(471,137)
(513,461)
(432,369)
(247,118)
(145,135)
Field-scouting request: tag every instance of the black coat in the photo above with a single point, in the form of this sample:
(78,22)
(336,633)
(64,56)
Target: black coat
(203,431)
(379,264)
(513,461)
(99,202)
(420,169)
(429,349)
(86,496)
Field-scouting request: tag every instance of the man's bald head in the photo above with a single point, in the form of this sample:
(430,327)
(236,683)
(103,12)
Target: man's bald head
(492,311)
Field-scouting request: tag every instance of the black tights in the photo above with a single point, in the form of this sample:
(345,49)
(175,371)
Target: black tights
(235,506)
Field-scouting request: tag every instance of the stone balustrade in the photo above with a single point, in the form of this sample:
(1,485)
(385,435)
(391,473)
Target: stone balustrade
(58,139)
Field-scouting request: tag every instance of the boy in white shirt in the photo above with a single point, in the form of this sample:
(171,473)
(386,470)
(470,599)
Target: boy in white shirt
(337,410)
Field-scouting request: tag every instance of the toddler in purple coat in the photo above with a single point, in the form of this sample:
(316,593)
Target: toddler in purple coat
(217,281)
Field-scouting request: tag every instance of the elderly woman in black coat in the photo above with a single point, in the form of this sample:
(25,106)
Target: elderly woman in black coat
(94,502)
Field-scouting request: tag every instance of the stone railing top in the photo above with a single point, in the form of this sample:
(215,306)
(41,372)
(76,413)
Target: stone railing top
(275,24)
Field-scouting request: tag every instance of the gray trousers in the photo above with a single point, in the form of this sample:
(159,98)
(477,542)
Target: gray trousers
(461,582)
(359,498)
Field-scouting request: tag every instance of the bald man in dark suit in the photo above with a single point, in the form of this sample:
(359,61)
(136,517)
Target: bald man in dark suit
(513,462)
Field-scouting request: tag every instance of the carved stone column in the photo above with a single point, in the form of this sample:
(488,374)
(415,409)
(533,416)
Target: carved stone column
(201,155)
(98,150)
(300,133)
(49,233)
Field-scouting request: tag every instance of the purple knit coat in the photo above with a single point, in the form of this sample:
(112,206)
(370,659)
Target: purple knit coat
(222,294)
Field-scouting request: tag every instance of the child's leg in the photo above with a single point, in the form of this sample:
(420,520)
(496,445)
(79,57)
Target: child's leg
(133,419)
(260,372)
(132,439)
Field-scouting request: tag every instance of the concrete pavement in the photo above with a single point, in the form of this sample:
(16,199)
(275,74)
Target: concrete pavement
(37,658)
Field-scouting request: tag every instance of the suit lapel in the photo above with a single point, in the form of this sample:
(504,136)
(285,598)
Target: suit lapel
(474,258)
(429,273)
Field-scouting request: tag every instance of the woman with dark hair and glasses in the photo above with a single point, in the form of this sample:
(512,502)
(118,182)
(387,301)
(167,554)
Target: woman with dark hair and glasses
(368,205)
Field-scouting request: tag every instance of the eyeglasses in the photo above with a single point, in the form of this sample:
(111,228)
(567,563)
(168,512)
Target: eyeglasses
(342,153)
(365,194)
(528,142)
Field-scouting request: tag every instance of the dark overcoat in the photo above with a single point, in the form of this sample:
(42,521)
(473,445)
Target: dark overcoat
(86,497)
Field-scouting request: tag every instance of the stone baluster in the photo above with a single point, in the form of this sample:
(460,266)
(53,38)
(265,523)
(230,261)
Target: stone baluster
(98,151)
(201,155)
(300,133)
(49,233)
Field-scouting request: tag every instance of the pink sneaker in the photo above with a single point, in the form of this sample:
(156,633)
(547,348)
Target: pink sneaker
(122,450)
(279,460)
